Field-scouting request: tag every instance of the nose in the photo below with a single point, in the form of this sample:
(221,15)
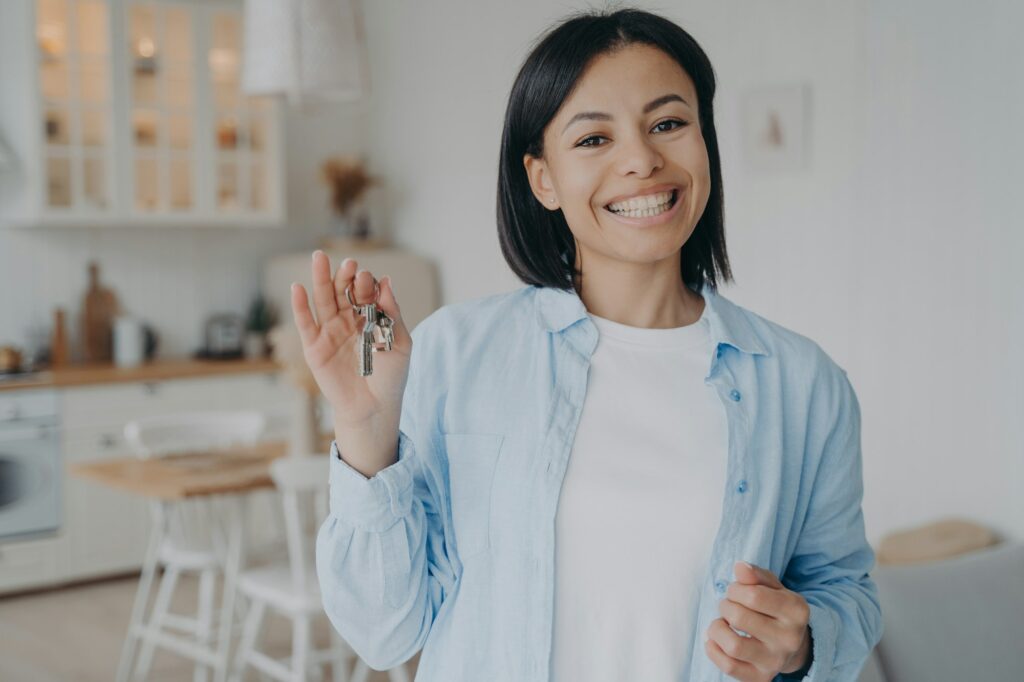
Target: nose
(638,155)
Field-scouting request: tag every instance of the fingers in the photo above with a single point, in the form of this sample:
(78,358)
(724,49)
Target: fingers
(751,574)
(766,600)
(387,297)
(365,288)
(755,624)
(734,668)
(323,289)
(304,321)
(343,280)
(737,656)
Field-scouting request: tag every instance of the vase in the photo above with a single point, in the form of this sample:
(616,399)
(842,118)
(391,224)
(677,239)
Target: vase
(343,226)
(353,222)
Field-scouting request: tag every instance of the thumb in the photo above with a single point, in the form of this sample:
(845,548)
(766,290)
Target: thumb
(750,574)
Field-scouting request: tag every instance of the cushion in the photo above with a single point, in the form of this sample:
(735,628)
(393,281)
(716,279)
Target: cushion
(956,619)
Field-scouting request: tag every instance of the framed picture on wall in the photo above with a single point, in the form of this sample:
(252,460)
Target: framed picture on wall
(775,127)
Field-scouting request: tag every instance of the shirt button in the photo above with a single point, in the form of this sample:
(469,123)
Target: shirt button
(742,487)
(735,395)
(720,586)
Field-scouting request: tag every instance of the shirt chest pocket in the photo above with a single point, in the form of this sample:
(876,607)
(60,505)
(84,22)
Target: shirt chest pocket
(472,460)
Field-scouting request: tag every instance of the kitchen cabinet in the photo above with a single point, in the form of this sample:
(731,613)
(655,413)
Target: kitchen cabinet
(28,563)
(130,112)
(104,531)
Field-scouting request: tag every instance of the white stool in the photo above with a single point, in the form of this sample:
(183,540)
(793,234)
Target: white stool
(292,588)
(184,538)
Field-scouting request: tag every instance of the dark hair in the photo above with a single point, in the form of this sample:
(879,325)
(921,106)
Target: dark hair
(535,241)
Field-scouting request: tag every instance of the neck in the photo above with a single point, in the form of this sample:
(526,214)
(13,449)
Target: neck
(651,297)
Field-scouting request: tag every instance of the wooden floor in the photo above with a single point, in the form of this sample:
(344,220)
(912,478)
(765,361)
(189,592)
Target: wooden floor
(75,634)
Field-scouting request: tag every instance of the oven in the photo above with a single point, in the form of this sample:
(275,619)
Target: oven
(30,472)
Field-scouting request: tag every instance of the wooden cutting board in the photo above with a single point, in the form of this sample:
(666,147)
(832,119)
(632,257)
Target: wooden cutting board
(99,309)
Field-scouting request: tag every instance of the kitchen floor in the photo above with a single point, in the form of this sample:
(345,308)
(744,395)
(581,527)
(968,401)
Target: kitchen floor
(76,634)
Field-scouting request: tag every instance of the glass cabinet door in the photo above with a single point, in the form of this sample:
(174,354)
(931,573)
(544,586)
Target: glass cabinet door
(141,114)
(240,122)
(161,73)
(74,65)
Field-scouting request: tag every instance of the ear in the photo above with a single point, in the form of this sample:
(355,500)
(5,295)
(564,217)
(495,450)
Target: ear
(540,181)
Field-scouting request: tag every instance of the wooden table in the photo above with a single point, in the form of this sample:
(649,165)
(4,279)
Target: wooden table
(188,474)
(226,474)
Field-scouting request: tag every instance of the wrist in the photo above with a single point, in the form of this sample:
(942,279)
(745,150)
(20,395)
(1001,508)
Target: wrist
(367,449)
(800,664)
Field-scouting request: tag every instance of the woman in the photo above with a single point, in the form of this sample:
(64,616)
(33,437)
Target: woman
(530,486)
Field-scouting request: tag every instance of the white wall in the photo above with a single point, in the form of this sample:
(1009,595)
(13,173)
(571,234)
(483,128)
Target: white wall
(940,300)
(893,249)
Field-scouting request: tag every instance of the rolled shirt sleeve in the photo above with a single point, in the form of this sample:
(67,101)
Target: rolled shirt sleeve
(831,563)
(376,503)
(381,554)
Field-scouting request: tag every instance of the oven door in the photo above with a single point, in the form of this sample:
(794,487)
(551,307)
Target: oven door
(30,489)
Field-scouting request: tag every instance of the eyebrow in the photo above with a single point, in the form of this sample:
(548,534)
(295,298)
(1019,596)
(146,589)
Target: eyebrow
(648,108)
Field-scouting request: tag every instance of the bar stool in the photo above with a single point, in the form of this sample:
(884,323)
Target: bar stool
(187,536)
(291,588)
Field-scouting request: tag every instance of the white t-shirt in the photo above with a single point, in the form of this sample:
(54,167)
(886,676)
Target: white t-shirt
(639,507)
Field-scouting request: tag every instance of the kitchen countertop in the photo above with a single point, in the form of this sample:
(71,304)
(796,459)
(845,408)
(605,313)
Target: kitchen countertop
(154,370)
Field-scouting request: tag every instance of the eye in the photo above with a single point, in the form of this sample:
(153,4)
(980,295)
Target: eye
(671,120)
(679,124)
(583,142)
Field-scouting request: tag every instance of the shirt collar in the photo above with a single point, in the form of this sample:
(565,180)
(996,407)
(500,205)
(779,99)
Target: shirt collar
(558,309)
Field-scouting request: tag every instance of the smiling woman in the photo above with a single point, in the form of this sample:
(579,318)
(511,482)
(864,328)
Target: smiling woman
(606,116)
(584,466)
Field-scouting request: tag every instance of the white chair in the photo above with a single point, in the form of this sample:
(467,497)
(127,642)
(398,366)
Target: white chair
(292,588)
(184,538)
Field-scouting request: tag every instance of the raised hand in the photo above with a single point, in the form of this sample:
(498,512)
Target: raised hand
(331,343)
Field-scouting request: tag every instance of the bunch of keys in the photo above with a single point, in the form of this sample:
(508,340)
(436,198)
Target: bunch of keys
(375,319)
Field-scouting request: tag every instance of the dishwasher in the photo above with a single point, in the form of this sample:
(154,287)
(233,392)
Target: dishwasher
(30,470)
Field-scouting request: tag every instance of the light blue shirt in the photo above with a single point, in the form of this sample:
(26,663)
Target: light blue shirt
(451,549)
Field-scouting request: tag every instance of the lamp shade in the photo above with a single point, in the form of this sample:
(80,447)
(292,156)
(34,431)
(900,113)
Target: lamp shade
(305,49)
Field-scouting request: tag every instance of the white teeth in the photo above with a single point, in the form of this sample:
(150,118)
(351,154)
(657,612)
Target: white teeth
(640,203)
(642,213)
(649,206)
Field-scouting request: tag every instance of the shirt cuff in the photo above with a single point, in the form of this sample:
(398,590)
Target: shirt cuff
(377,503)
(824,630)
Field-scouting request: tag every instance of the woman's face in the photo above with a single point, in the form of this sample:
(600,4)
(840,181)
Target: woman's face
(629,129)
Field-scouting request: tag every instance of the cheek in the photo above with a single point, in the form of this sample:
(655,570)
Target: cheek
(579,183)
(699,168)
(696,160)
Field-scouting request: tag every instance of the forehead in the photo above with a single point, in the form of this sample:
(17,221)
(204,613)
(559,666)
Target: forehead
(626,80)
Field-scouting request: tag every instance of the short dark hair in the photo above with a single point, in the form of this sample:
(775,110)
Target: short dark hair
(535,241)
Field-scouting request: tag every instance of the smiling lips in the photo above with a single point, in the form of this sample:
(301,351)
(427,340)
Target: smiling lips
(644,206)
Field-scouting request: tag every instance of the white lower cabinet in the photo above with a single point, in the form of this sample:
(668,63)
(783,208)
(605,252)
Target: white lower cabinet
(104,531)
(24,564)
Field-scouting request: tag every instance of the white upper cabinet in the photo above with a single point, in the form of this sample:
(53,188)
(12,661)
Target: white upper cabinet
(130,112)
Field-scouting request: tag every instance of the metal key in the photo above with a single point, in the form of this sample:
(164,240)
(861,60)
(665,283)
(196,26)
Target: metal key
(373,318)
(387,329)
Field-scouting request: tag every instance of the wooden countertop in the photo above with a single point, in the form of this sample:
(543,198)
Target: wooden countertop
(155,370)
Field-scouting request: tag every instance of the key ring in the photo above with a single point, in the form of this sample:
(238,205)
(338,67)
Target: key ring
(376,295)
